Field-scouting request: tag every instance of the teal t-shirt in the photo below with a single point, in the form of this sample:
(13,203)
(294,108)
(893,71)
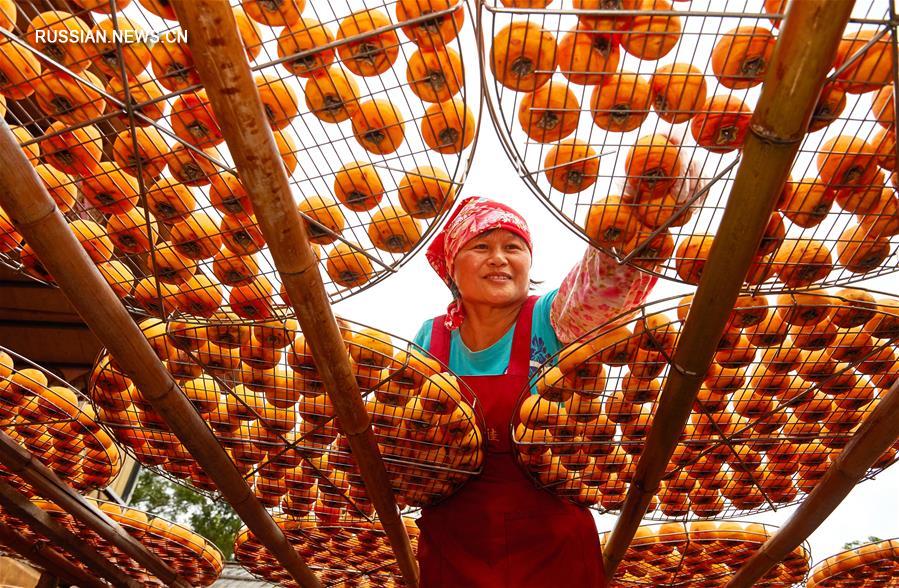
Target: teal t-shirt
(494,360)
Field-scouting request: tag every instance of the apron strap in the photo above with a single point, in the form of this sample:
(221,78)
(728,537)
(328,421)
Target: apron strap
(520,357)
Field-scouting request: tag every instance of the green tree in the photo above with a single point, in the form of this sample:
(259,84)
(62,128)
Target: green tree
(860,542)
(210,518)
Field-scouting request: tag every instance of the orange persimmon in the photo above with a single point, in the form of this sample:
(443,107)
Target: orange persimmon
(274,13)
(196,236)
(722,123)
(109,189)
(19,69)
(523,56)
(170,201)
(332,96)
(392,229)
(234,270)
(302,38)
(691,256)
(587,58)
(378,125)
(130,231)
(872,70)
(129,56)
(859,251)
(189,167)
(426,191)
(72,151)
(651,36)
(172,63)
(448,127)
(678,92)
(141,89)
(358,186)
(846,162)
(622,103)
(435,75)
(802,262)
(199,295)
(169,265)
(808,202)
(374,53)
(433,32)
(279,101)
(652,166)
(228,195)
(571,166)
(323,219)
(741,56)
(830,105)
(610,222)
(550,113)
(60,186)
(69,99)
(140,152)
(58,25)
(193,121)
(347,266)
(241,235)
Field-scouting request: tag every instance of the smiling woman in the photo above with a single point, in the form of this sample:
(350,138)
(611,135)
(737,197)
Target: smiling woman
(500,530)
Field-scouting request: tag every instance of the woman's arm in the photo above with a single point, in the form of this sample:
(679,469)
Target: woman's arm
(597,289)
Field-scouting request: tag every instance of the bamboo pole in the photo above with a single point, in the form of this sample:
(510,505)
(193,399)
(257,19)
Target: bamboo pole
(21,462)
(25,199)
(792,85)
(875,435)
(235,101)
(18,505)
(44,556)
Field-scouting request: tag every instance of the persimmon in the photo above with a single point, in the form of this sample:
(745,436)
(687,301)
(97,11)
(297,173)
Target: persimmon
(802,262)
(131,92)
(73,151)
(550,113)
(109,190)
(154,296)
(448,127)
(93,238)
(375,52)
(651,36)
(883,218)
(435,75)
(193,121)
(378,126)
(653,251)
(587,58)
(523,56)
(721,125)
(859,251)
(808,202)
(140,152)
(610,222)
(275,13)
(69,99)
(872,70)
(197,236)
(33,266)
(678,92)
(358,186)
(172,63)
(691,257)
(241,235)
(621,103)
(605,23)
(846,162)
(426,191)
(228,195)
(392,229)
(59,185)
(301,39)
(434,32)
(652,166)
(249,33)
(323,219)
(279,101)
(252,300)
(741,56)
(332,96)
(19,69)
(830,105)
(170,266)
(56,26)
(347,266)
(190,167)
(571,166)
(130,56)
(884,145)
(170,201)
(199,295)
(7,15)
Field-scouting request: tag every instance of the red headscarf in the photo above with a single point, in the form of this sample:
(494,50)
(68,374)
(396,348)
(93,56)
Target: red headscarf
(473,216)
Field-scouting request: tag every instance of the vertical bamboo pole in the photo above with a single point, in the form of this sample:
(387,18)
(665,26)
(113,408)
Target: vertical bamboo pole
(795,76)
(20,461)
(221,62)
(19,506)
(875,435)
(43,556)
(26,200)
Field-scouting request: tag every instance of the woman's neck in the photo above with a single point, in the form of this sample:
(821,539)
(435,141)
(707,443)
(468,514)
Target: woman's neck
(485,325)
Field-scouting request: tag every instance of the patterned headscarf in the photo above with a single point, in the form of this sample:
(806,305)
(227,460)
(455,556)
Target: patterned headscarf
(473,216)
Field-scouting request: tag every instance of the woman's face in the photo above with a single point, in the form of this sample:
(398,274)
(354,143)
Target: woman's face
(493,269)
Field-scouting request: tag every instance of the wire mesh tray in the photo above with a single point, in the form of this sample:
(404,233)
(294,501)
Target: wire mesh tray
(369,108)
(873,564)
(192,556)
(703,553)
(56,424)
(592,99)
(347,552)
(260,392)
(793,377)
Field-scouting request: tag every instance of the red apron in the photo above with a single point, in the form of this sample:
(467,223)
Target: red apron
(500,530)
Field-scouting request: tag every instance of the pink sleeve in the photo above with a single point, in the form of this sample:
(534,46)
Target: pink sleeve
(597,289)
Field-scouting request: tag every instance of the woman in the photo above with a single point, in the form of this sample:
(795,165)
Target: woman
(500,529)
